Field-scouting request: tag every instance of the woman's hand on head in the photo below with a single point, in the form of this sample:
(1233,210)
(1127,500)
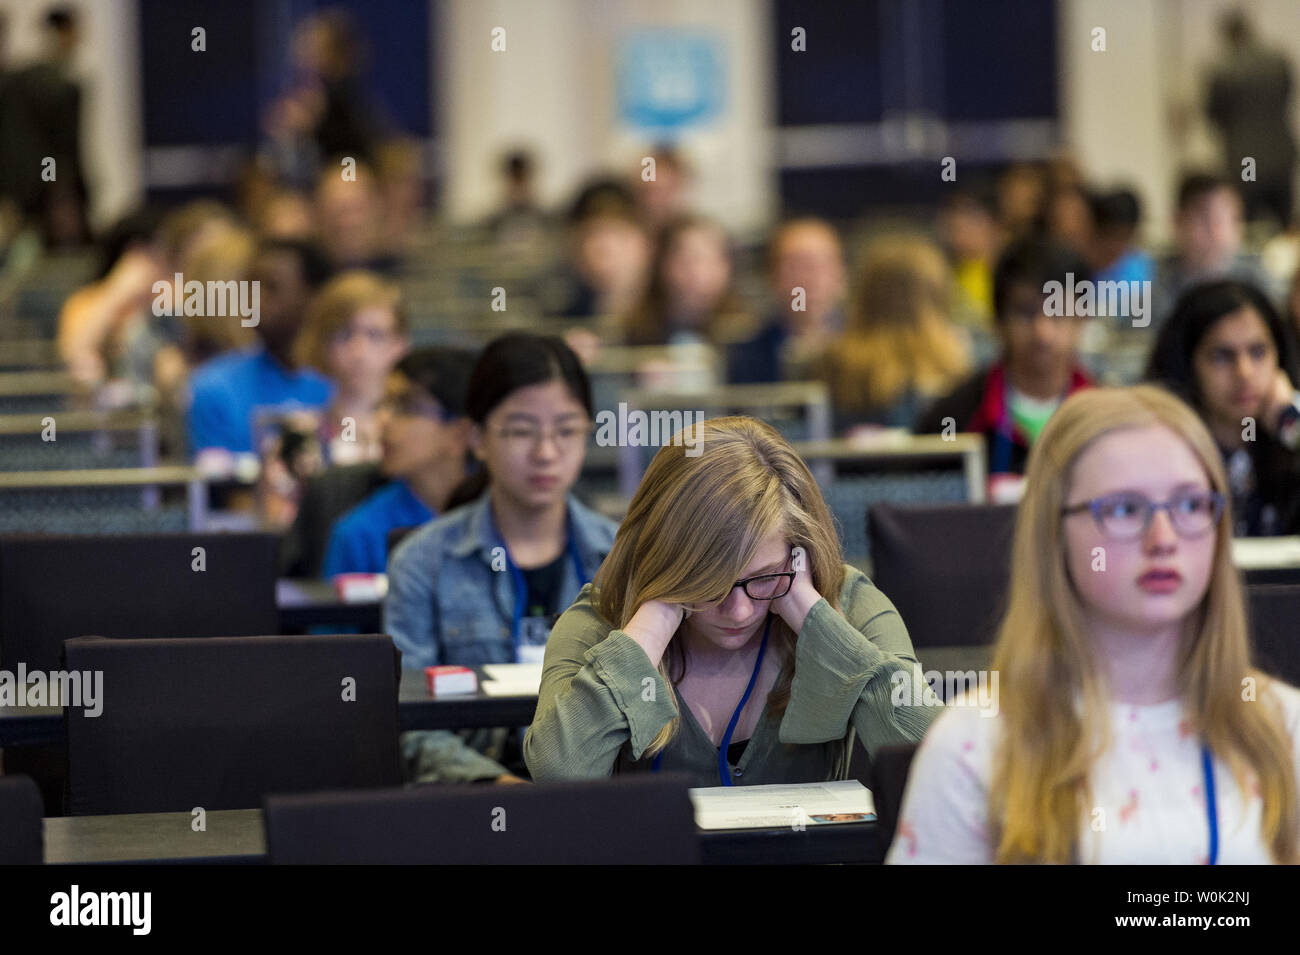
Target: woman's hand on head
(794,606)
(653,626)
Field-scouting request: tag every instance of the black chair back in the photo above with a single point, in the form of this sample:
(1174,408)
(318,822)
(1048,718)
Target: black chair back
(945,568)
(220,722)
(56,588)
(1275,629)
(646,820)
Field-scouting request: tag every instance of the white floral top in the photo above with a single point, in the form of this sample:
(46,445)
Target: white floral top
(1148,791)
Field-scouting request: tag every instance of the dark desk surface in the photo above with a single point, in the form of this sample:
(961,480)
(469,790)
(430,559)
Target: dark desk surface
(417,710)
(315,603)
(237,836)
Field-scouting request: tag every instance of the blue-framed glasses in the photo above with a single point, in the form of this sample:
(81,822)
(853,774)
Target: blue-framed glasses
(1127,515)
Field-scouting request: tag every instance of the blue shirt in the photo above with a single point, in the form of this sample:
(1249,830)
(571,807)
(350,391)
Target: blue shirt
(230,388)
(358,543)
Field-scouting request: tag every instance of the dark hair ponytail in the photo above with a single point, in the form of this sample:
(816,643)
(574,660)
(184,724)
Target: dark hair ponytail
(513,361)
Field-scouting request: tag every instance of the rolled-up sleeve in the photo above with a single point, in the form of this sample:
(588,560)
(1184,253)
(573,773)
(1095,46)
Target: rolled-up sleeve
(599,692)
(845,672)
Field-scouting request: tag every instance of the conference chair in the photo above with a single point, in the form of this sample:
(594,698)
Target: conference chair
(55,588)
(889,768)
(21,836)
(1275,628)
(647,820)
(946,569)
(220,722)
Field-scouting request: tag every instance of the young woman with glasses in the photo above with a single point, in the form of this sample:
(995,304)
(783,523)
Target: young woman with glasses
(724,636)
(1131,726)
(483,582)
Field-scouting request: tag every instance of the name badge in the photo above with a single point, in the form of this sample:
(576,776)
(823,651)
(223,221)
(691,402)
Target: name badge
(533,633)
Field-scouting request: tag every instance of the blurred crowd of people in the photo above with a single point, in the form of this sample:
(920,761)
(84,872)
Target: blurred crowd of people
(939,328)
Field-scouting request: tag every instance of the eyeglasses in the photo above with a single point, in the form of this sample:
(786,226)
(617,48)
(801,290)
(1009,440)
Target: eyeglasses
(1127,515)
(762,587)
(413,406)
(522,437)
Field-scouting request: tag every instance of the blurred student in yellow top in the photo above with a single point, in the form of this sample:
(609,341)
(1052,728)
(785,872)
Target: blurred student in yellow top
(899,351)
(1131,726)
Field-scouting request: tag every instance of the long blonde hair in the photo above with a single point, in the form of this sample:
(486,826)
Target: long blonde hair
(899,336)
(1039,791)
(697,520)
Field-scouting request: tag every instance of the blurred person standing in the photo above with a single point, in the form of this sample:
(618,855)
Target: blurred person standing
(41,122)
(806,277)
(1249,101)
(899,351)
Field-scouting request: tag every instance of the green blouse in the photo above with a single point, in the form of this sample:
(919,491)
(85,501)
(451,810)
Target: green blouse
(602,702)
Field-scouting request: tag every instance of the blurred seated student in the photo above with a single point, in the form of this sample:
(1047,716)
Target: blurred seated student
(662,187)
(609,255)
(690,297)
(1227,353)
(348,215)
(425,440)
(1067,215)
(355,331)
(1010,402)
(1208,233)
(483,582)
(1115,254)
(968,231)
(805,263)
(108,330)
(228,391)
(521,221)
(1130,726)
(899,351)
(724,636)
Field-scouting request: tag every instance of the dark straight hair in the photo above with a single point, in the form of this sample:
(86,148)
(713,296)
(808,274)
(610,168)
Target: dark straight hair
(1196,312)
(513,361)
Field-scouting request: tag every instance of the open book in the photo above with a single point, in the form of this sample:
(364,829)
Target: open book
(799,805)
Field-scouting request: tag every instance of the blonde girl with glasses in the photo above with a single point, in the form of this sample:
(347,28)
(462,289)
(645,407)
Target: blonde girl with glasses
(724,637)
(1132,727)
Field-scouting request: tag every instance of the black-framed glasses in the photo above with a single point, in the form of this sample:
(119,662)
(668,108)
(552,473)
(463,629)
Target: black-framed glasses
(1127,515)
(762,587)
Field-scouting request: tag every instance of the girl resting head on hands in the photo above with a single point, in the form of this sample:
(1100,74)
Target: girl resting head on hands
(723,625)
(1131,727)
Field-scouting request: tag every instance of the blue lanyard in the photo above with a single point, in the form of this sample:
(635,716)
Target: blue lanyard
(521,585)
(1211,810)
(735,716)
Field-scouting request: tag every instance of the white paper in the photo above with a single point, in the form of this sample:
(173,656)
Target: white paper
(799,805)
(512,679)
